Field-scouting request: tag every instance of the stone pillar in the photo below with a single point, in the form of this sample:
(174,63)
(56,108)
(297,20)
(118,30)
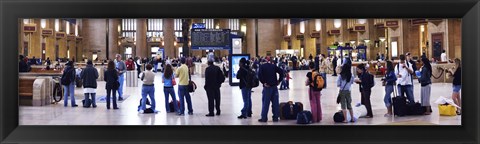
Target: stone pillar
(113,34)
(50,41)
(323,37)
(250,38)
(141,38)
(169,38)
(21,36)
(310,43)
(79,45)
(71,44)
(455,38)
(269,36)
(62,43)
(94,37)
(35,43)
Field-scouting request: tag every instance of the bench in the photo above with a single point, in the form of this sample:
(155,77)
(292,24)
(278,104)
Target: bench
(35,89)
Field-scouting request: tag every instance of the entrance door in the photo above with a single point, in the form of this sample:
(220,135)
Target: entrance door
(128,52)
(437,45)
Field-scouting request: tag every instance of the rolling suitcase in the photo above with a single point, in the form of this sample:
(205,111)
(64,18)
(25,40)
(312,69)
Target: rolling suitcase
(289,110)
(399,104)
(415,109)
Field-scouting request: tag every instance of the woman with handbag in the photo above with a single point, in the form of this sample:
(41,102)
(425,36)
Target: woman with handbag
(389,82)
(111,77)
(456,72)
(344,82)
(169,82)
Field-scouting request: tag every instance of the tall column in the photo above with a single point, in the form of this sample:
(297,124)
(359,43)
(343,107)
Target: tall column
(269,36)
(323,37)
(50,41)
(310,48)
(62,43)
(21,37)
(223,24)
(113,34)
(71,44)
(251,43)
(169,38)
(141,38)
(372,34)
(94,39)
(35,44)
(79,45)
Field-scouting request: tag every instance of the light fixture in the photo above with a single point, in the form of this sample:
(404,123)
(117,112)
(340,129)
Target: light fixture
(189,43)
(67,24)
(340,43)
(76,29)
(26,21)
(43,23)
(289,29)
(236,42)
(217,27)
(163,43)
(57,25)
(381,39)
(175,43)
(337,23)
(352,42)
(302,27)
(361,21)
(422,28)
(318,25)
(119,28)
(366,41)
(243,28)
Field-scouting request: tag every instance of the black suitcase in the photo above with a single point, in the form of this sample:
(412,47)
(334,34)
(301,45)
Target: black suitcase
(88,103)
(415,109)
(338,117)
(172,107)
(399,104)
(289,110)
(78,82)
(304,117)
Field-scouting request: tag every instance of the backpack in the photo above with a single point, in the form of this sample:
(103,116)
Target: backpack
(304,117)
(251,80)
(67,77)
(317,82)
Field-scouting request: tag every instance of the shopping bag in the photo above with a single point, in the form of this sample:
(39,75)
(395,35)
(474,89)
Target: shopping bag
(447,110)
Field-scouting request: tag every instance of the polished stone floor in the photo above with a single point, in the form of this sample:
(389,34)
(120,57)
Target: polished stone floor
(231,104)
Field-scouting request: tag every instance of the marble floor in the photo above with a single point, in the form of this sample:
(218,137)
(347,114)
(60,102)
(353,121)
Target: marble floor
(231,104)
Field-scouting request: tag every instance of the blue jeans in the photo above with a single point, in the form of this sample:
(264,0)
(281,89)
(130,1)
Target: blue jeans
(156,68)
(247,101)
(388,95)
(93,98)
(121,79)
(408,90)
(184,96)
(150,91)
(283,85)
(69,90)
(324,75)
(270,94)
(171,92)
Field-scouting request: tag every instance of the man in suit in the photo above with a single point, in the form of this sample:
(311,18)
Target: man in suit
(213,81)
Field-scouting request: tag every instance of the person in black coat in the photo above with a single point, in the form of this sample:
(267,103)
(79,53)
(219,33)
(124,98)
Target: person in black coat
(246,91)
(366,82)
(22,65)
(111,77)
(334,64)
(89,76)
(213,81)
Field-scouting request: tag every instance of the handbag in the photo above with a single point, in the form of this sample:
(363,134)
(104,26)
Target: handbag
(174,82)
(447,110)
(338,96)
(191,85)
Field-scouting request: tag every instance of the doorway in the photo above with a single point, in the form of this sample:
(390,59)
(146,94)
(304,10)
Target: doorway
(437,45)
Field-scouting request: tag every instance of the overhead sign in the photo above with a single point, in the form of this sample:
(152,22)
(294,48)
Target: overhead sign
(211,39)
(198,26)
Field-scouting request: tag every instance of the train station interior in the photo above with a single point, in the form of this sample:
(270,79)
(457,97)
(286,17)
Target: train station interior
(364,41)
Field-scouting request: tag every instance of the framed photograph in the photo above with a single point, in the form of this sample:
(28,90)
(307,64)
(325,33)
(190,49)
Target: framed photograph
(329,71)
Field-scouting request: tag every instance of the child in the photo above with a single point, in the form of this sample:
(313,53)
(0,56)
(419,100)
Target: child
(287,78)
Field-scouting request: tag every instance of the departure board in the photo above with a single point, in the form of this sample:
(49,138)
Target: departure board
(210,39)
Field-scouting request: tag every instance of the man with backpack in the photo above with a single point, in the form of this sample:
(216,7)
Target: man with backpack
(403,72)
(248,80)
(267,74)
(366,82)
(316,83)
(213,81)
(68,82)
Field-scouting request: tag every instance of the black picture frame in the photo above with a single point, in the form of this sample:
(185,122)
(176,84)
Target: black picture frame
(11,11)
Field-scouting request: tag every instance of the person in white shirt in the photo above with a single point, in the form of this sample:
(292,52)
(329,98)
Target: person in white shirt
(403,72)
(443,57)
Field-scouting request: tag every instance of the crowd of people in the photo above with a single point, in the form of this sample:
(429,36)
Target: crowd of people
(265,69)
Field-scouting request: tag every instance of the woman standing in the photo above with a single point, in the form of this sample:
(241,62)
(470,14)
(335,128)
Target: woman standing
(68,82)
(314,94)
(168,81)
(457,83)
(389,83)
(425,81)
(344,82)
(111,77)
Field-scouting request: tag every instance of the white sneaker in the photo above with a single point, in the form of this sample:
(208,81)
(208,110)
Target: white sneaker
(140,111)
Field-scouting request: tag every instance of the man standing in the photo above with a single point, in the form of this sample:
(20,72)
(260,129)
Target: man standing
(403,72)
(213,81)
(121,68)
(267,76)
(89,78)
(443,56)
(334,65)
(323,68)
(183,94)
(294,62)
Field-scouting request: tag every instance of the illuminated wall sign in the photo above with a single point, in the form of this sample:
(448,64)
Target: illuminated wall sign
(300,37)
(79,38)
(419,21)
(30,28)
(315,34)
(334,32)
(47,32)
(393,23)
(359,28)
(198,26)
(210,39)
(60,35)
(71,37)
(286,38)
